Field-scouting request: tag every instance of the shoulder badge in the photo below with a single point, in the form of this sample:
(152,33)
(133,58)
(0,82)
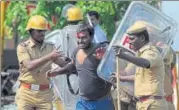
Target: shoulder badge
(24,44)
(149,47)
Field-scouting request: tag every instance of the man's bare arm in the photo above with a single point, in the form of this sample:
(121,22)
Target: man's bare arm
(136,60)
(68,68)
(62,61)
(129,78)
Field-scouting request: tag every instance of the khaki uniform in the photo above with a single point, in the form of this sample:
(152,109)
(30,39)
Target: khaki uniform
(168,60)
(28,99)
(150,82)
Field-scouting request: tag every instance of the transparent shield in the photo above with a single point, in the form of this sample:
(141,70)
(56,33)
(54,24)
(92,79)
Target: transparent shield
(66,40)
(161,28)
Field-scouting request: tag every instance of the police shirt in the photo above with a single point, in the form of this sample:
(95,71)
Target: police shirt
(29,51)
(150,81)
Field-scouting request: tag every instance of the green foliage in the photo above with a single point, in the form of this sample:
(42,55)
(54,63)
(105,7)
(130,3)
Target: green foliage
(110,13)
(16,16)
(154,3)
(49,9)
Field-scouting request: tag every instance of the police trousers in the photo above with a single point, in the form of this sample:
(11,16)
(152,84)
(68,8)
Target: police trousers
(170,106)
(124,105)
(152,104)
(27,99)
(128,102)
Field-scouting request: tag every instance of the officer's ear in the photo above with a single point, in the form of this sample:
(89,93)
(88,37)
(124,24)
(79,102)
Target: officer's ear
(142,38)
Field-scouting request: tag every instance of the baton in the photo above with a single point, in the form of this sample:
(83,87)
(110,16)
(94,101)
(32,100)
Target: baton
(118,85)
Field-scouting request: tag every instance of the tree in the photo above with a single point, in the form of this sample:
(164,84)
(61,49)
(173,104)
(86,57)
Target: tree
(110,13)
(16,17)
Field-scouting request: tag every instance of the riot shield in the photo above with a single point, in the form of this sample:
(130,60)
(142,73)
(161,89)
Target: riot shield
(66,39)
(161,28)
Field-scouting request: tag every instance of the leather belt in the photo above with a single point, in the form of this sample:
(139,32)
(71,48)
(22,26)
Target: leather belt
(35,87)
(144,98)
(169,98)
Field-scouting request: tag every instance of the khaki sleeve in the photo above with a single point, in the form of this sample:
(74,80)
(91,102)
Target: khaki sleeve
(153,57)
(22,53)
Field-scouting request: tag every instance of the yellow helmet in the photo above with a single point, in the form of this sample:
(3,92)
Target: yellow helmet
(37,22)
(74,14)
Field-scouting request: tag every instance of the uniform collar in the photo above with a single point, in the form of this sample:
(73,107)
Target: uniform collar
(32,44)
(146,46)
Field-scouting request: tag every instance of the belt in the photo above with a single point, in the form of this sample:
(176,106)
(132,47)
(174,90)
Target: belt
(169,98)
(35,87)
(144,98)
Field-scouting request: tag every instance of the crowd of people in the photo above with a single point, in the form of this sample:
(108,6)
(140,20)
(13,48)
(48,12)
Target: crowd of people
(148,70)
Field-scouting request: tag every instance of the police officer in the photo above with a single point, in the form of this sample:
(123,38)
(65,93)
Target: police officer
(66,37)
(35,57)
(74,16)
(169,60)
(150,70)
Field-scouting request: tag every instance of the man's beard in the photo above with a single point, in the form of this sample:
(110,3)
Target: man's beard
(86,47)
(39,42)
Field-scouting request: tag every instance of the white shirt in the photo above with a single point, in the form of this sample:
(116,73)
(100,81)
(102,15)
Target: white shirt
(99,35)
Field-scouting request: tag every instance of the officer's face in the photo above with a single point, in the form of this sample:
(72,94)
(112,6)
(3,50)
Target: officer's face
(83,39)
(135,42)
(38,35)
(94,20)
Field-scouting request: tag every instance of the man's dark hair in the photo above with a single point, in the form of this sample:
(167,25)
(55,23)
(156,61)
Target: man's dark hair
(85,26)
(94,13)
